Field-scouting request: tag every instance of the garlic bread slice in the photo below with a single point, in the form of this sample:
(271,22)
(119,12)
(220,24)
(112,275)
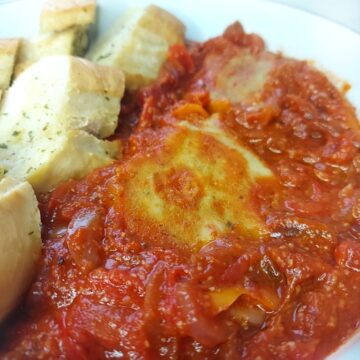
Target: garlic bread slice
(72,41)
(46,158)
(20,241)
(58,15)
(73,92)
(138,44)
(47,117)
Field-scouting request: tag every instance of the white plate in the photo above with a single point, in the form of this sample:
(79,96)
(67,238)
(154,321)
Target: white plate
(294,32)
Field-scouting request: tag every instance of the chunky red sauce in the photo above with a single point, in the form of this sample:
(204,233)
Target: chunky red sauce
(106,289)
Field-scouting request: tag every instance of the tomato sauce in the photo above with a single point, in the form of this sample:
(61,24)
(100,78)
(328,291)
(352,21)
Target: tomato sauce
(103,292)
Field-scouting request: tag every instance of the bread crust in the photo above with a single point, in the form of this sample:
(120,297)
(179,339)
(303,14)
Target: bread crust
(8,52)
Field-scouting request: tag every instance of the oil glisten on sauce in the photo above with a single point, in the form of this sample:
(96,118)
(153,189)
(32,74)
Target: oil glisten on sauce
(230,229)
